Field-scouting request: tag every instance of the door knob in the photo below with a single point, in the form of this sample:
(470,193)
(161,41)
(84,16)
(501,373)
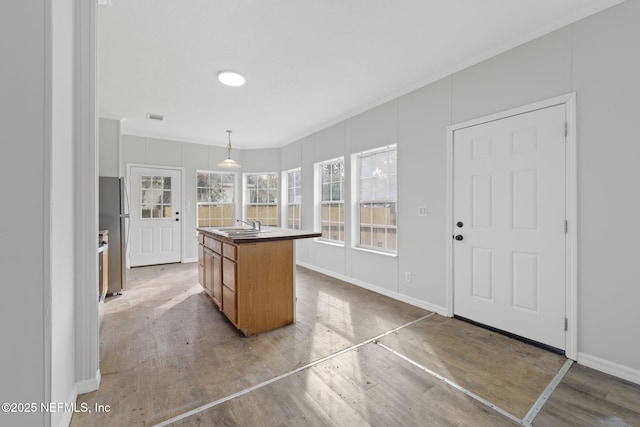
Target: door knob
(459,224)
(177,219)
(458,237)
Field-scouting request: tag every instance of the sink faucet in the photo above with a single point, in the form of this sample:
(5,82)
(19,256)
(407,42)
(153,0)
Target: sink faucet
(257,225)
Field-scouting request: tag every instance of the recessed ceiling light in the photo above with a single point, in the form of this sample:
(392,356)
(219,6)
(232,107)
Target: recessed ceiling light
(231,78)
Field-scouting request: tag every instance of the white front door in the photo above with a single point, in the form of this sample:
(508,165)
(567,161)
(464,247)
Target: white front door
(155,220)
(509,224)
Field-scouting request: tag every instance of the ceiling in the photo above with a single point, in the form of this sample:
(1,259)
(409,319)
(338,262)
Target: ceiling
(308,63)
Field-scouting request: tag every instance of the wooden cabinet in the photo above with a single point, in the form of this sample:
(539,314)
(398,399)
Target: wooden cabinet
(210,268)
(201,259)
(251,283)
(229,289)
(251,279)
(216,280)
(208,271)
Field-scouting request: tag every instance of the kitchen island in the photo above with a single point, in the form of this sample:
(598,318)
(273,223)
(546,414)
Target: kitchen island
(249,274)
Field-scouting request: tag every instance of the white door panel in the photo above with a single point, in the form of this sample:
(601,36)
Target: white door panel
(509,195)
(155,216)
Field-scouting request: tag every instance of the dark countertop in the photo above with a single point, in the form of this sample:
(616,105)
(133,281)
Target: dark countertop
(268,234)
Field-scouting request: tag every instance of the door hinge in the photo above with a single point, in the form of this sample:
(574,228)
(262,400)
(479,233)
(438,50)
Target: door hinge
(566,128)
(566,324)
(566,226)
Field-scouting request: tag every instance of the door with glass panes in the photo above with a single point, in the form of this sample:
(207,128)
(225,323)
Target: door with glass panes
(155,223)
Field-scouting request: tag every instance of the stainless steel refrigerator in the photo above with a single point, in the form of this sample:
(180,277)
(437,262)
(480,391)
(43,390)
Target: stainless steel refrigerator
(113,212)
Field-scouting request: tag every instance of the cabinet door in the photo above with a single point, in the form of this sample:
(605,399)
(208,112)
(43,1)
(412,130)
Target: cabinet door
(229,306)
(208,271)
(229,303)
(229,277)
(201,264)
(216,282)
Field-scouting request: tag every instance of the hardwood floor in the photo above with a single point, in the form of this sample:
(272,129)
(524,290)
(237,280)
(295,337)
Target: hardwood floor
(352,358)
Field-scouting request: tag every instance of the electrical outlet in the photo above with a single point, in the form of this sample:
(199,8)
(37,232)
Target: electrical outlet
(422,211)
(407,277)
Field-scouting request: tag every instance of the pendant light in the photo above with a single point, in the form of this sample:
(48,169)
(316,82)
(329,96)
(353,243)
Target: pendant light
(229,163)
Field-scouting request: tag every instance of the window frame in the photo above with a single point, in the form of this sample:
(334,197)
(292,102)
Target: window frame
(231,204)
(270,190)
(322,203)
(360,202)
(297,206)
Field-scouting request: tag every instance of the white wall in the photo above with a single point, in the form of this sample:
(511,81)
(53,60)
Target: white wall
(593,57)
(605,74)
(193,157)
(109,147)
(36,117)
(23,260)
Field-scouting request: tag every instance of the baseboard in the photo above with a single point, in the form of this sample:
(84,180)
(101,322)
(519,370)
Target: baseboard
(386,292)
(89,385)
(608,367)
(189,260)
(73,396)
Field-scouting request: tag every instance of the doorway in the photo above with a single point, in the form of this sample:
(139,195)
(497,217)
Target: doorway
(156,224)
(510,194)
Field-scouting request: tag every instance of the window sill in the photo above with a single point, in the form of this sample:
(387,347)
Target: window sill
(372,251)
(329,242)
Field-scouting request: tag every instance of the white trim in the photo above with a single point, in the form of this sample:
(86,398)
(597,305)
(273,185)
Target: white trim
(85,164)
(243,191)
(45,249)
(386,292)
(373,251)
(608,367)
(189,260)
(571,246)
(571,212)
(88,385)
(112,117)
(328,242)
(182,198)
(539,105)
(66,417)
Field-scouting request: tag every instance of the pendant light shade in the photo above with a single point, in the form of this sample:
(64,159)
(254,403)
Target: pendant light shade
(229,163)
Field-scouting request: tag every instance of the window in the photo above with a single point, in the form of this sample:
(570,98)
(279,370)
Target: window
(155,194)
(215,203)
(378,199)
(294,199)
(262,198)
(332,200)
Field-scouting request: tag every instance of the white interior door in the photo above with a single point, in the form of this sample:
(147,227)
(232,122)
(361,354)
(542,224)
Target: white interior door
(509,222)
(155,234)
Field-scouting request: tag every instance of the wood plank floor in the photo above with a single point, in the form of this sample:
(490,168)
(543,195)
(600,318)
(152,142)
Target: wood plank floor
(353,358)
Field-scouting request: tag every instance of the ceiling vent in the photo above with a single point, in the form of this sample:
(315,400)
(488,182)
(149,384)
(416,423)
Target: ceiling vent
(157,117)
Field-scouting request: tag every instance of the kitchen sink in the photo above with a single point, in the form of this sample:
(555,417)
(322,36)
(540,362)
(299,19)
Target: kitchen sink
(240,231)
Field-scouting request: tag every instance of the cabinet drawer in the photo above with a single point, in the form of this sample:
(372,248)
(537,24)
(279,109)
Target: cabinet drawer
(229,250)
(229,274)
(229,304)
(213,244)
